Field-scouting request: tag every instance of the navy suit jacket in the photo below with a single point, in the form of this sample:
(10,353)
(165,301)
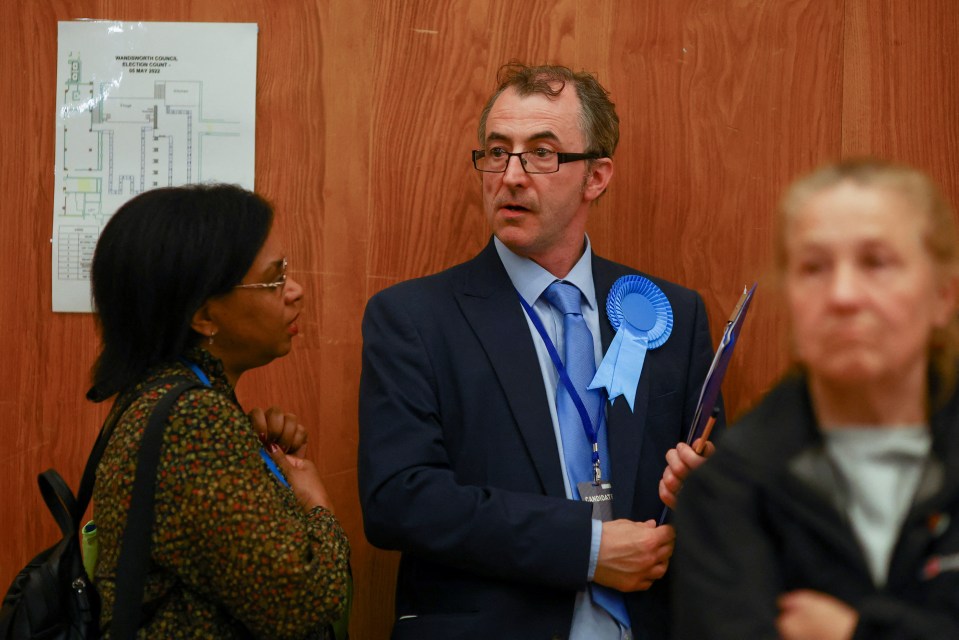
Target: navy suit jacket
(458,462)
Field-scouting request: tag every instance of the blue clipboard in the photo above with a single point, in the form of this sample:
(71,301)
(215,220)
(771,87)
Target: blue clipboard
(717,371)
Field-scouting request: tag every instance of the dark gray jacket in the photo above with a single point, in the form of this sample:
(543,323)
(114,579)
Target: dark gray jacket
(764,516)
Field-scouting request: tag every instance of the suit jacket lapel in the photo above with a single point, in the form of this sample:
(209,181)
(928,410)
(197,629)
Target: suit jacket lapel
(624,427)
(490,305)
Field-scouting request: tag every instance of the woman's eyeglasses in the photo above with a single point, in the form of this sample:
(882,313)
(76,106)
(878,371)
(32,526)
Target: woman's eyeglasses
(276,284)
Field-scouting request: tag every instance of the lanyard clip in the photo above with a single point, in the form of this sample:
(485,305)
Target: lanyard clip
(597,472)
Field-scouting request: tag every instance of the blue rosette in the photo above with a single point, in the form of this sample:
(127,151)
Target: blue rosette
(643,318)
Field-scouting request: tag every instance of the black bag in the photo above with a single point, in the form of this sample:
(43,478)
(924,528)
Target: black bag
(51,598)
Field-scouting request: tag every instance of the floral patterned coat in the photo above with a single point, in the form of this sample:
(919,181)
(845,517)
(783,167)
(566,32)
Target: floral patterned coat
(233,553)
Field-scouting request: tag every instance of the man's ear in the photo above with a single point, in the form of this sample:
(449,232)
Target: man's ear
(202,321)
(597,178)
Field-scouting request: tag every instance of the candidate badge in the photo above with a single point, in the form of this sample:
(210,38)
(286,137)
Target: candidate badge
(600,495)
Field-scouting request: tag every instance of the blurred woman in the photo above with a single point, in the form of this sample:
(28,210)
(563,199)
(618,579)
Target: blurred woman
(192,282)
(832,509)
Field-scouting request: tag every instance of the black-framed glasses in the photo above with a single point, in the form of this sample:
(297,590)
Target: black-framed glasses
(276,284)
(536,161)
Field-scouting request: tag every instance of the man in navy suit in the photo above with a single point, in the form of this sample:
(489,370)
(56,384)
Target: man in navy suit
(461,463)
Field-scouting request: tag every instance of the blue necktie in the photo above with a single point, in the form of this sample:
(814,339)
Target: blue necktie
(580,363)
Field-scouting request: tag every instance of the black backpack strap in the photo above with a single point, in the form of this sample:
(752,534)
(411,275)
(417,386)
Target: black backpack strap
(135,545)
(120,407)
(59,500)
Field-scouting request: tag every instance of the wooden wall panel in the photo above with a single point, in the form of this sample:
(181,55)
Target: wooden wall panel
(366,113)
(900,87)
(709,94)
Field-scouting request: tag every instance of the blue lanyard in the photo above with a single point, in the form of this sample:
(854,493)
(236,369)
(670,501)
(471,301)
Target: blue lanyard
(198,371)
(271,465)
(591,432)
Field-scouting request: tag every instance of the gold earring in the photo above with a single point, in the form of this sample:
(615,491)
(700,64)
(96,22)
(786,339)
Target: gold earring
(212,333)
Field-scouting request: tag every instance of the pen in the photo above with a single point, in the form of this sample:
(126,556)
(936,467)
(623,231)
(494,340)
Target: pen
(706,431)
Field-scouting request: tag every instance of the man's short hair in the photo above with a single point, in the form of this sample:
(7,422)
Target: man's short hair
(598,119)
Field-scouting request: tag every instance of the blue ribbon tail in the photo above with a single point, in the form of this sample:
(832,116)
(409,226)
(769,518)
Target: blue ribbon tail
(630,356)
(607,368)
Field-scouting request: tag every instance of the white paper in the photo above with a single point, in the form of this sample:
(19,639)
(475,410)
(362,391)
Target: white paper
(142,105)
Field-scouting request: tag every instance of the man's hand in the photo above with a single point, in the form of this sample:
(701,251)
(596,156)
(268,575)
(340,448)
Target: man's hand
(632,555)
(812,615)
(277,427)
(679,462)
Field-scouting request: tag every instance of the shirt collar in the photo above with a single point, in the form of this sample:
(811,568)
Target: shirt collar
(531,280)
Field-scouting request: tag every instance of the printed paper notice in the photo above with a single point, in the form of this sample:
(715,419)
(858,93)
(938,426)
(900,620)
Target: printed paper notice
(142,105)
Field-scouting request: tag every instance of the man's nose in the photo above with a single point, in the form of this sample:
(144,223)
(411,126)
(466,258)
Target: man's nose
(515,172)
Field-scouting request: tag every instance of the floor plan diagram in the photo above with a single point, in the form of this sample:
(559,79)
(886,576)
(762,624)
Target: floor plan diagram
(129,122)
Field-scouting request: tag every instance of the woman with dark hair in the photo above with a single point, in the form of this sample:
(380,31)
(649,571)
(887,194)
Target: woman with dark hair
(831,510)
(192,282)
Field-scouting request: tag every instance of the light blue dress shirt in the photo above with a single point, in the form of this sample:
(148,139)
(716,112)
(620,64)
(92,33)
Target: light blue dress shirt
(590,621)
